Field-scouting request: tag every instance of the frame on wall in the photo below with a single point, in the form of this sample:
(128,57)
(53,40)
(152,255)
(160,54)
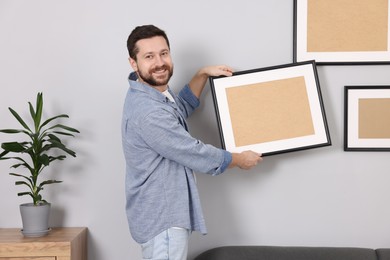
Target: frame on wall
(271,110)
(342,32)
(367,118)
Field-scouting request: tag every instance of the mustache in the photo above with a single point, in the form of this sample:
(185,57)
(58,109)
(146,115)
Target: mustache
(162,67)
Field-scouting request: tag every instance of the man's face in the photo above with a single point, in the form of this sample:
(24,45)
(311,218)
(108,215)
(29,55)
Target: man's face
(154,64)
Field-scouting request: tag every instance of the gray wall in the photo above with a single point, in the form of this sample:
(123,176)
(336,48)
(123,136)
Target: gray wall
(74,51)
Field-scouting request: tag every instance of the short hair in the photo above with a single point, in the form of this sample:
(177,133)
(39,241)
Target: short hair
(143,32)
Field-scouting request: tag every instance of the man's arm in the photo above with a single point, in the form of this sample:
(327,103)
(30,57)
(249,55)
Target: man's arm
(198,82)
(244,160)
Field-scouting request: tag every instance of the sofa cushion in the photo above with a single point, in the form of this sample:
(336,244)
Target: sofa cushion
(288,253)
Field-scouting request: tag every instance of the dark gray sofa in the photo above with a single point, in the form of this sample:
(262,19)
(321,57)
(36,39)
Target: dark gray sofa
(293,253)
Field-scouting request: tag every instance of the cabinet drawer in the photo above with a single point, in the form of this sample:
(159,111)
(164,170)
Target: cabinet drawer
(60,244)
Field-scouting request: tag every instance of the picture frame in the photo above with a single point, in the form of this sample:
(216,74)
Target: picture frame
(271,110)
(342,32)
(367,118)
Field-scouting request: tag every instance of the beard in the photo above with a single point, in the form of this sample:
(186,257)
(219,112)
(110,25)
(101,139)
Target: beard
(159,80)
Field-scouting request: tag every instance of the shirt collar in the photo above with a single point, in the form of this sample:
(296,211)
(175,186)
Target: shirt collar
(137,85)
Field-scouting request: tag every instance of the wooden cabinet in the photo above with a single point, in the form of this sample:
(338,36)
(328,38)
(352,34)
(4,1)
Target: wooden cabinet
(59,244)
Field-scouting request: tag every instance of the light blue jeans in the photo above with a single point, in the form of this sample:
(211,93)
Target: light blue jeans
(171,244)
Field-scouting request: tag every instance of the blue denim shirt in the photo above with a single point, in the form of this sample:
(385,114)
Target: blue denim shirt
(160,159)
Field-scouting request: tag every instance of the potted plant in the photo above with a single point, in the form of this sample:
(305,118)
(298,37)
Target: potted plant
(41,147)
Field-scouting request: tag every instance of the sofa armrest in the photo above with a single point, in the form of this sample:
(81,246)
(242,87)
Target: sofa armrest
(383,253)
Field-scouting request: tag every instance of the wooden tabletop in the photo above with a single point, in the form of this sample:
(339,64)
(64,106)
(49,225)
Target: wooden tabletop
(60,234)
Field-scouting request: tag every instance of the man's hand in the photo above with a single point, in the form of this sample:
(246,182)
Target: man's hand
(245,160)
(220,70)
(198,82)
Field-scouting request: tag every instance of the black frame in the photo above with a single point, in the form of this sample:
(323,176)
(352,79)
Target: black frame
(320,61)
(348,144)
(322,133)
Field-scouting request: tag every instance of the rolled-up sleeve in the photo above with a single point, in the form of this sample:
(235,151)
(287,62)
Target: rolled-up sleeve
(188,101)
(227,159)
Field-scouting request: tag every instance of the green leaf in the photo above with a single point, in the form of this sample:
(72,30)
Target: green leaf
(24,193)
(16,115)
(3,154)
(60,157)
(13,147)
(22,183)
(18,159)
(48,182)
(44,159)
(22,176)
(53,118)
(32,111)
(19,164)
(62,133)
(18,175)
(11,131)
(38,114)
(54,137)
(70,129)
(61,146)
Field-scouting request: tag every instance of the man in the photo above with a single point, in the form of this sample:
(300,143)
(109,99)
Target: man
(163,205)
